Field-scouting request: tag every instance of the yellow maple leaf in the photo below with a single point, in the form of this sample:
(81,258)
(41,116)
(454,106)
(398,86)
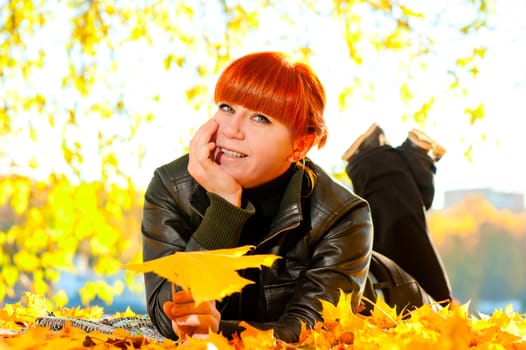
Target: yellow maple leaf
(383,315)
(127,313)
(210,274)
(26,310)
(341,312)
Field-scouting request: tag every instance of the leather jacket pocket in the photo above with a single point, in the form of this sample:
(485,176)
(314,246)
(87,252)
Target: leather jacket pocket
(278,295)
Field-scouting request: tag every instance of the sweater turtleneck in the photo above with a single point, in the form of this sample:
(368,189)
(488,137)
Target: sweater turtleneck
(266,200)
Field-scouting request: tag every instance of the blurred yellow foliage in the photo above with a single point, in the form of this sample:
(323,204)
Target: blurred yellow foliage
(467,218)
(62,222)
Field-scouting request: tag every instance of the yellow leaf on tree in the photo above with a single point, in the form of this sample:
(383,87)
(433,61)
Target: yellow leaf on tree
(26,261)
(210,274)
(10,275)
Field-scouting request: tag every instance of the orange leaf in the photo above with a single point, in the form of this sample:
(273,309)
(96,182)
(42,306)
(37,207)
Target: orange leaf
(214,341)
(210,274)
(254,338)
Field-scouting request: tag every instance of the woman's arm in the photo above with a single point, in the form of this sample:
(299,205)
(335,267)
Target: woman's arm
(340,261)
(170,224)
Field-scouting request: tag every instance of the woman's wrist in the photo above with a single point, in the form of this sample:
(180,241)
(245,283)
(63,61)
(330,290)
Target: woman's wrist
(222,224)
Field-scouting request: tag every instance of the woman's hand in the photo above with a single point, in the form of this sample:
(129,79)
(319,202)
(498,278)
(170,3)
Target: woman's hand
(204,169)
(189,319)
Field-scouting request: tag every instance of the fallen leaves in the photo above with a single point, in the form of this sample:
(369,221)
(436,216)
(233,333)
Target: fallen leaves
(427,328)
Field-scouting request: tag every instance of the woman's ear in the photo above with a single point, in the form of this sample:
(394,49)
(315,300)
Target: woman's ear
(301,148)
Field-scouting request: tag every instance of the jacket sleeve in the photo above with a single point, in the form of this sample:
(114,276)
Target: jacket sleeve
(168,226)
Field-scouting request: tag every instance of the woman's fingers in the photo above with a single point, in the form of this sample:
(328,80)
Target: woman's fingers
(183,304)
(167,308)
(203,143)
(178,309)
(197,323)
(183,296)
(189,319)
(202,146)
(204,169)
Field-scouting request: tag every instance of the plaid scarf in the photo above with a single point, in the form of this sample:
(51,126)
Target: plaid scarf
(136,326)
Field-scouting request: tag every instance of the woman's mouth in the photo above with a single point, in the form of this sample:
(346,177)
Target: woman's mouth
(230,153)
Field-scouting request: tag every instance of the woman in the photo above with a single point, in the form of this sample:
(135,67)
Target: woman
(247,181)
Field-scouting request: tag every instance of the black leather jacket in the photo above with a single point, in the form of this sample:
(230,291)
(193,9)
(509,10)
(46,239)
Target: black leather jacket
(324,241)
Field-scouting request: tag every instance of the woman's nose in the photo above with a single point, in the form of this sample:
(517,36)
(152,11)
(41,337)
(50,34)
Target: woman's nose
(233,127)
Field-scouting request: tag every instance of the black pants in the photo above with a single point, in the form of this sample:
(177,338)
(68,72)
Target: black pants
(398,183)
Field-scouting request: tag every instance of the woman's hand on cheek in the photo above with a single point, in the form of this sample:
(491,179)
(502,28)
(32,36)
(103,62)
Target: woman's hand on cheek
(190,320)
(204,169)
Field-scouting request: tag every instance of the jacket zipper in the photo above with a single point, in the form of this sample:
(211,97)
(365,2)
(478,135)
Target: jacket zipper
(240,300)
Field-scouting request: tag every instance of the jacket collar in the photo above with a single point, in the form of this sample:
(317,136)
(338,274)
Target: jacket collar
(290,209)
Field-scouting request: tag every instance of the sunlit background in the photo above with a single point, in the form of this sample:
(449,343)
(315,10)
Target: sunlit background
(96,95)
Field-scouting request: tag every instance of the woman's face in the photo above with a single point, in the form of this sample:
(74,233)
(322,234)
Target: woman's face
(253,148)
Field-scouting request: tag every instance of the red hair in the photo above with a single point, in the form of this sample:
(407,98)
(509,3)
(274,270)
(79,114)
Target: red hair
(270,83)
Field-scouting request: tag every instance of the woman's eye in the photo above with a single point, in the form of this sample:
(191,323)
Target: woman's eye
(226,108)
(261,119)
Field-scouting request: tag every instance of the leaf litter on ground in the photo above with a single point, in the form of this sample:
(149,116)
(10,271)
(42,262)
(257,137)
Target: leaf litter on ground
(428,327)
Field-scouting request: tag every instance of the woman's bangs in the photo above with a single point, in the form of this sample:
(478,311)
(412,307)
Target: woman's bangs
(266,96)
